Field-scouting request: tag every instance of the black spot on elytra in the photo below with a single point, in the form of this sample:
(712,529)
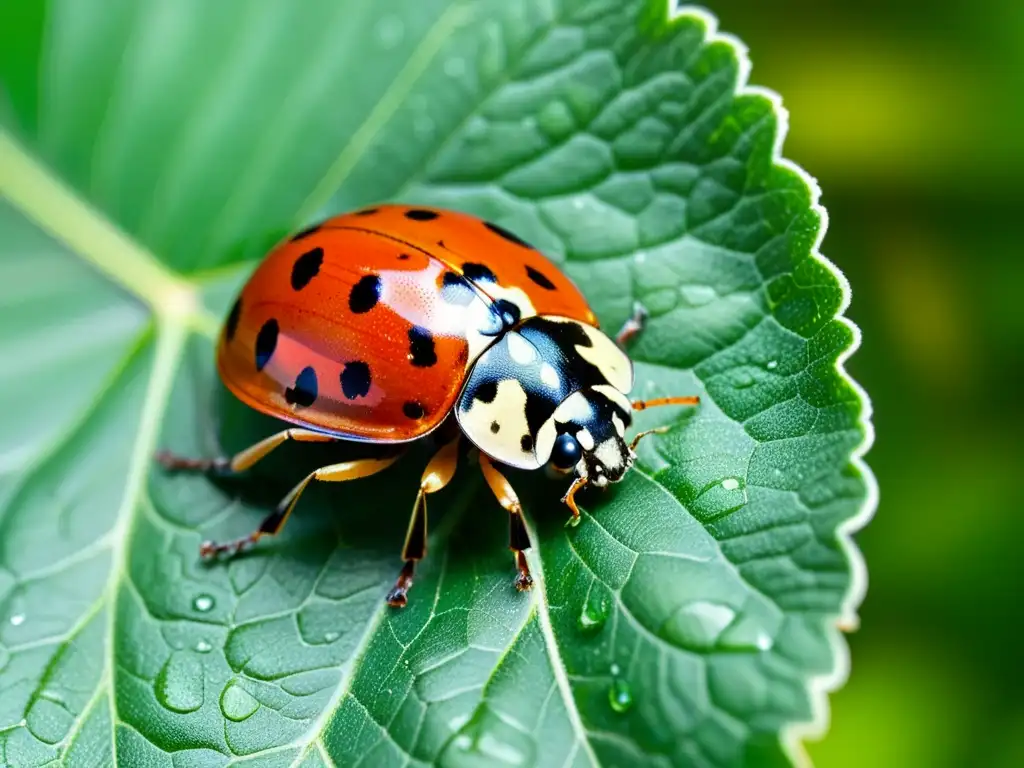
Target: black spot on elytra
(495,427)
(403,256)
(421,347)
(306,267)
(355,379)
(539,278)
(366,212)
(305,389)
(266,343)
(455,289)
(306,232)
(231,324)
(486,392)
(526,443)
(413,410)
(510,236)
(365,294)
(420,214)
(478,273)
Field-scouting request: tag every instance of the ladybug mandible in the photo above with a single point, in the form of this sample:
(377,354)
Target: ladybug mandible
(376,325)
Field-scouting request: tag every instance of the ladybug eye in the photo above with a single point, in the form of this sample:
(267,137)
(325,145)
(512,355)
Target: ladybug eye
(566,451)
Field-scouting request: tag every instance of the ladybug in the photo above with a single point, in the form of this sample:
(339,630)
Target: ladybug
(383,324)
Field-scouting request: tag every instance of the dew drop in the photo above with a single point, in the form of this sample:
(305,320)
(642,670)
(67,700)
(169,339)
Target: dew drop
(330,637)
(203,647)
(698,624)
(578,203)
(619,696)
(697,295)
(748,633)
(742,380)
(730,484)
(595,612)
(203,603)
(390,31)
(179,684)
(615,669)
(640,257)
(17,619)
(772,365)
(236,703)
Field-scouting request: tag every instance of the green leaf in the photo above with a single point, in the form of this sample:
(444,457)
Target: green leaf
(154,149)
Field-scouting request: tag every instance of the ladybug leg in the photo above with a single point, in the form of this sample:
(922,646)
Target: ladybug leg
(633,325)
(274,522)
(436,476)
(518,539)
(242,460)
(569,499)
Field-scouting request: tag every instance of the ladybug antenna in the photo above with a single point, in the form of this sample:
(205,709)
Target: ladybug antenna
(641,435)
(642,405)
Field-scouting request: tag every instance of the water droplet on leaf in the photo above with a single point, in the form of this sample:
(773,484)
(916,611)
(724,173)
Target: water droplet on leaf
(179,684)
(595,611)
(772,365)
(236,703)
(620,697)
(746,634)
(203,603)
(698,624)
(17,619)
(730,483)
(697,295)
(203,647)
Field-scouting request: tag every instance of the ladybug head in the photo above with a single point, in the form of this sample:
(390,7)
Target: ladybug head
(591,439)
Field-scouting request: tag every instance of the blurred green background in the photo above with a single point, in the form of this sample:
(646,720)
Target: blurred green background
(910,115)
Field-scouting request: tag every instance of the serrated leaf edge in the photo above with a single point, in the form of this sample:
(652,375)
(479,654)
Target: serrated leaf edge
(821,685)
